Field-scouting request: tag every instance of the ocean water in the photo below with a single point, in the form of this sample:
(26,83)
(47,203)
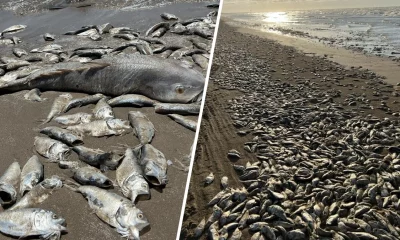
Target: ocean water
(369,30)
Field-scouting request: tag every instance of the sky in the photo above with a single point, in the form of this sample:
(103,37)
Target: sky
(285,5)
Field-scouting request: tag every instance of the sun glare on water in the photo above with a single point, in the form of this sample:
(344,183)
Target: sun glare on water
(276,17)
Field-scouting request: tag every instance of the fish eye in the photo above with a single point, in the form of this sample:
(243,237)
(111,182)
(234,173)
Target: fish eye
(140,215)
(144,185)
(180,89)
(54,216)
(148,169)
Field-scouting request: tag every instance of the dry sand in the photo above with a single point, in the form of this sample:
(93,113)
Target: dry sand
(217,133)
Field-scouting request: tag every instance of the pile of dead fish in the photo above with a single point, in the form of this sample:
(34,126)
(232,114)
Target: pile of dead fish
(323,172)
(138,168)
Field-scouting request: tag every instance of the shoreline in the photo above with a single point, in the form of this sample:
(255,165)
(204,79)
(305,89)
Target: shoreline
(381,65)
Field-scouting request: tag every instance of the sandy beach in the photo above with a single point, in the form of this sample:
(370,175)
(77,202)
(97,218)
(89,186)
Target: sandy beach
(20,118)
(244,58)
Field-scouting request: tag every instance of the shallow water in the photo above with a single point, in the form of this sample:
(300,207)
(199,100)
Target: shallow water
(369,30)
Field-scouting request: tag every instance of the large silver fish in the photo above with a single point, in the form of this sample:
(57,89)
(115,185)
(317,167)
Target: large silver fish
(165,80)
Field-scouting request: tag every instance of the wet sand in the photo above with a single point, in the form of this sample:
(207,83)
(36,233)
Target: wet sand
(278,63)
(19,121)
(381,65)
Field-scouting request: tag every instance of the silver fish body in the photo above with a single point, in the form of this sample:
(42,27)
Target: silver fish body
(154,165)
(130,178)
(76,118)
(58,106)
(184,121)
(102,110)
(131,100)
(31,222)
(156,78)
(31,175)
(100,128)
(51,149)
(92,176)
(8,184)
(34,95)
(78,102)
(62,135)
(93,157)
(38,193)
(143,128)
(115,210)
(182,109)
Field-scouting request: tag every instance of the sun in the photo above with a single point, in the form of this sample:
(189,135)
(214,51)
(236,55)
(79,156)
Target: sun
(276,17)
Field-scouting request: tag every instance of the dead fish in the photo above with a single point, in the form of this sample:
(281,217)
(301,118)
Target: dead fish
(92,176)
(154,165)
(32,222)
(143,128)
(51,58)
(34,95)
(209,179)
(184,121)
(76,118)
(157,26)
(8,183)
(102,110)
(200,60)
(236,235)
(135,100)
(78,102)
(6,41)
(159,32)
(91,53)
(130,178)
(32,174)
(49,37)
(100,128)
(18,52)
(182,109)
(118,30)
(17,64)
(104,28)
(126,36)
(115,210)
(92,34)
(178,28)
(112,163)
(62,135)
(224,182)
(200,228)
(169,16)
(51,149)
(204,33)
(48,48)
(58,106)
(38,193)
(201,44)
(13,29)
(93,157)
(65,164)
